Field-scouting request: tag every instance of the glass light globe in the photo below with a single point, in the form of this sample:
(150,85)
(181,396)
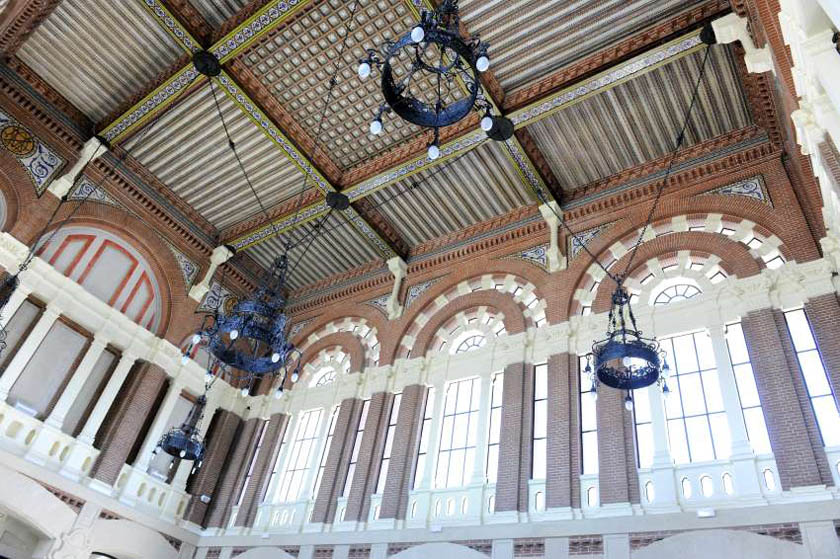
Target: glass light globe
(182,453)
(275,357)
(434,152)
(364,70)
(295,376)
(234,334)
(593,395)
(627,361)
(208,377)
(628,403)
(418,34)
(487,123)
(482,64)
(185,359)
(244,392)
(195,339)
(376,127)
(278,393)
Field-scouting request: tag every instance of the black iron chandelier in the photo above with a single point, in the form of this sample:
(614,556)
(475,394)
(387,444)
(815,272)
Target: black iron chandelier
(433,52)
(185,441)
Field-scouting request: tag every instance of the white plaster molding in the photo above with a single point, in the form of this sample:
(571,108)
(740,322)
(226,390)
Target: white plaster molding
(91,150)
(220,255)
(556,260)
(398,267)
(731,28)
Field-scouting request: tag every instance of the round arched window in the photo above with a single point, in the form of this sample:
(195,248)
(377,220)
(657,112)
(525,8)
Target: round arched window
(676,293)
(471,343)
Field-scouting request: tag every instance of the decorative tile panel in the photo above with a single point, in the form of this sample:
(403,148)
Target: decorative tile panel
(217,298)
(580,240)
(536,255)
(752,187)
(40,162)
(189,269)
(86,191)
(418,289)
(380,303)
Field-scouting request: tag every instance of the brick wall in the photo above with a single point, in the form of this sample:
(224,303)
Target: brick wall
(781,392)
(404,451)
(515,438)
(257,488)
(338,460)
(218,443)
(824,314)
(563,447)
(233,473)
(613,466)
(125,427)
(369,461)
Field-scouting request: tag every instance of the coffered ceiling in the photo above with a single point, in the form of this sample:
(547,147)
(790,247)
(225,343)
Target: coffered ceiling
(595,87)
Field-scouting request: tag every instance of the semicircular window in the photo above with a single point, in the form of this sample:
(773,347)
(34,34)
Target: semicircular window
(471,343)
(676,293)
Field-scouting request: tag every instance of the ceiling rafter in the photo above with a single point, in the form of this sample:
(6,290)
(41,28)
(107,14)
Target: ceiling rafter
(228,47)
(537,109)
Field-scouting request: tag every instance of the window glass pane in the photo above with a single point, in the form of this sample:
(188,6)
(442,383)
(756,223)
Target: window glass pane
(590,452)
(720,435)
(705,353)
(828,419)
(692,392)
(699,439)
(539,459)
(541,382)
(679,444)
(588,417)
(737,344)
(757,431)
(540,419)
(492,463)
(644,437)
(684,354)
(641,407)
(711,388)
(800,330)
(812,370)
(747,389)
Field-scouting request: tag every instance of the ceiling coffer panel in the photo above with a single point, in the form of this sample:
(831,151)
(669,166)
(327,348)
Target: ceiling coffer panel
(296,65)
(336,248)
(478,186)
(639,120)
(98,53)
(216,12)
(188,151)
(530,39)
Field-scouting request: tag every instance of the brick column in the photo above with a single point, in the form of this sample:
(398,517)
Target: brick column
(404,452)
(338,460)
(256,490)
(791,424)
(515,441)
(613,467)
(562,483)
(121,430)
(369,462)
(233,474)
(221,434)
(824,314)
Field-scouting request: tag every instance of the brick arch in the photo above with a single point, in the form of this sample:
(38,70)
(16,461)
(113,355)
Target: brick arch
(678,217)
(514,319)
(358,328)
(735,258)
(26,214)
(338,312)
(346,341)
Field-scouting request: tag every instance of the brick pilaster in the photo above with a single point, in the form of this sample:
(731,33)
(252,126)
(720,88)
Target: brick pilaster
(516,438)
(368,464)
(220,436)
(791,424)
(256,490)
(233,474)
(563,446)
(404,451)
(613,467)
(824,314)
(126,422)
(338,460)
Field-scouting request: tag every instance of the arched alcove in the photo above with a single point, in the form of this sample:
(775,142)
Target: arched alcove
(447,550)
(721,544)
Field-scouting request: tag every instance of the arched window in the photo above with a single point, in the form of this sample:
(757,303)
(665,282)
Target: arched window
(324,377)
(473,342)
(676,293)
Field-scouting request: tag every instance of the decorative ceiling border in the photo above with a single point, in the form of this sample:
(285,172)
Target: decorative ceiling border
(40,162)
(537,256)
(753,187)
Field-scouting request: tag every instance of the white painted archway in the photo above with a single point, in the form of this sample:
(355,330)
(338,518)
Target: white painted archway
(265,553)
(721,544)
(439,551)
(124,539)
(33,505)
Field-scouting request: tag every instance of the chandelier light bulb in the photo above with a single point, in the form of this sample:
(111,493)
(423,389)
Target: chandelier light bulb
(364,70)
(628,403)
(376,127)
(278,393)
(244,392)
(275,357)
(185,358)
(182,453)
(434,152)
(295,376)
(234,334)
(172,464)
(195,339)
(418,34)
(627,361)
(487,123)
(482,64)
(208,377)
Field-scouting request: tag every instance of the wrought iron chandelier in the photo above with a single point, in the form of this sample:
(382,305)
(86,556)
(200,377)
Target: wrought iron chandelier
(185,441)
(433,52)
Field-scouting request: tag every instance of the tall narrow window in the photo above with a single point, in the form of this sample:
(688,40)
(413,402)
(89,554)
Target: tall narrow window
(697,427)
(357,445)
(588,422)
(322,463)
(389,443)
(458,436)
(275,469)
(425,429)
(816,380)
(494,435)
(644,428)
(538,463)
(250,471)
(747,390)
(300,456)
